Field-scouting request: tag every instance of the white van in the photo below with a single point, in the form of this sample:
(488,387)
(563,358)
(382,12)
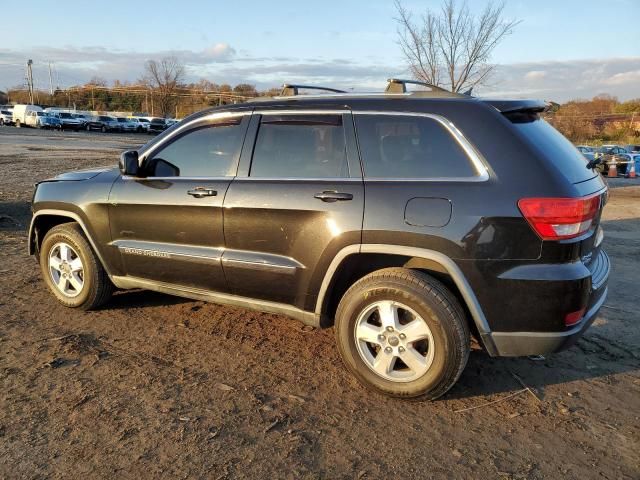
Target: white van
(26,115)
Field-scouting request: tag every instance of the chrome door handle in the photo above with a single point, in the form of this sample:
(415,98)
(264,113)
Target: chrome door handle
(202,192)
(331,196)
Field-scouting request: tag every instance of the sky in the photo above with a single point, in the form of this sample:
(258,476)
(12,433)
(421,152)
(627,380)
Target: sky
(561,50)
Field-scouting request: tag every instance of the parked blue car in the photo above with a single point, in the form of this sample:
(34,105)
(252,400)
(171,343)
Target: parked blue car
(629,157)
(48,122)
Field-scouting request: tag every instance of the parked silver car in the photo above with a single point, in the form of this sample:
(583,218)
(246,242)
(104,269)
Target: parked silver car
(126,125)
(142,124)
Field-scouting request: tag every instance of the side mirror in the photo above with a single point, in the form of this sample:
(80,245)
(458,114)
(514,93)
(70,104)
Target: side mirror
(129,163)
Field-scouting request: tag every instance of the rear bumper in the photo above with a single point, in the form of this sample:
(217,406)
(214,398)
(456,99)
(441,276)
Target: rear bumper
(516,344)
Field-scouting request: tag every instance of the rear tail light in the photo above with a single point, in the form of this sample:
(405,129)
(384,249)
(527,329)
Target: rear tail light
(560,218)
(574,317)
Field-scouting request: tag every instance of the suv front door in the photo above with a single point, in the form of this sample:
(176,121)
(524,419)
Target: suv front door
(167,223)
(297,200)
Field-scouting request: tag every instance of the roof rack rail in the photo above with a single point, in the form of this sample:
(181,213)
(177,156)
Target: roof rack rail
(290,90)
(397,85)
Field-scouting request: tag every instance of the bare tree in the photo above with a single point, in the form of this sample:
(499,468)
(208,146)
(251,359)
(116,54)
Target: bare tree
(165,76)
(452,47)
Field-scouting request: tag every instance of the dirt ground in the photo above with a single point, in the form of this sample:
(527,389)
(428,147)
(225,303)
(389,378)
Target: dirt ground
(154,386)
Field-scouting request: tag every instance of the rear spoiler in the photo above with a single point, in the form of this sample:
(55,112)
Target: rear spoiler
(515,106)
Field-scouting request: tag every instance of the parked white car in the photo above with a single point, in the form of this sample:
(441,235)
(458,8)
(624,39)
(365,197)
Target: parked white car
(26,115)
(6,117)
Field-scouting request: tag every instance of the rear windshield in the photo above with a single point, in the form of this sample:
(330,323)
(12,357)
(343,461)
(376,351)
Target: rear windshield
(553,145)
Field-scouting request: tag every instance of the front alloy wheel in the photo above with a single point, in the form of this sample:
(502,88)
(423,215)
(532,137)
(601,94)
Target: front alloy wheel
(71,269)
(66,269)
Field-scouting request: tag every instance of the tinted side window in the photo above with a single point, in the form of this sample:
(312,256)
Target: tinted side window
(300,146)
(409,147)
(208,151)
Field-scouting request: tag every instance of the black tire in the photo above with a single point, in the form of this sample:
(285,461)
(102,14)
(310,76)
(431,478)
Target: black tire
(88,128)
(97,287)
(18,125)
(103,129)
(434,303)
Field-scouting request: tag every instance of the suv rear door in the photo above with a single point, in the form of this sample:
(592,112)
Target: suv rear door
(297,200)
(167,225)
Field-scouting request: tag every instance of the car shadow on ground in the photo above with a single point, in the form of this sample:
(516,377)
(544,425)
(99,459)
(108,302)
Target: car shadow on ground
(591,358)
(15,216)
(125,299)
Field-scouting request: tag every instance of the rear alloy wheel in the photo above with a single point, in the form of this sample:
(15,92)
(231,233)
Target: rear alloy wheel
(103,129)
(394,341)
(18,124)
(71,270)
(401,332)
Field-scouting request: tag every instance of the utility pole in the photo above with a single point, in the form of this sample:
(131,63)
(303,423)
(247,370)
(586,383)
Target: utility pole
(50,81)
(30,80)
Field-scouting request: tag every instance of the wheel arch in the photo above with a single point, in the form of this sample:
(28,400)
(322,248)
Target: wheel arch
(344,270)
(44,220)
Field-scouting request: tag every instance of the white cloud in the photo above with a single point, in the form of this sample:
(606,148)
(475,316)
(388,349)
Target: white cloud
(220,50)
(535,75)
(568,80)
(625,78)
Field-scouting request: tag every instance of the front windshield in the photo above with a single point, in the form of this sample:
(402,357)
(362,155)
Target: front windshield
(41,114)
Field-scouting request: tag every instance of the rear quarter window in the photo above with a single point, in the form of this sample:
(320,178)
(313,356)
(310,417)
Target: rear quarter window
(398,146)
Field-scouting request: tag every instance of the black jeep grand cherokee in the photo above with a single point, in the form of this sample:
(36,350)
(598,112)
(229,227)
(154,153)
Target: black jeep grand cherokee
(409,221)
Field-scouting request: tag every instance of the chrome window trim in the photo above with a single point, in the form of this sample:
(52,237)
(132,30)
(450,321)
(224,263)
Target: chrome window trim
(476,160)
(474,156)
